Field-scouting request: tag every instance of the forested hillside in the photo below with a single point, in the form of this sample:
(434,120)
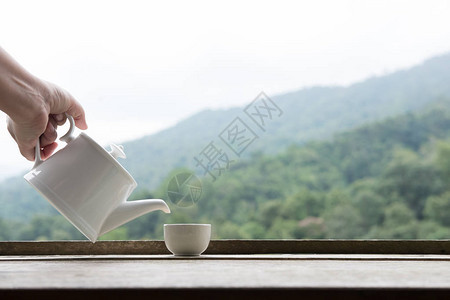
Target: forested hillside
(387,179)
(312,114)
(315,113)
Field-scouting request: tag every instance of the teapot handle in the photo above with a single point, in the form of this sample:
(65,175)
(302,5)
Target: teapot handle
(65,138)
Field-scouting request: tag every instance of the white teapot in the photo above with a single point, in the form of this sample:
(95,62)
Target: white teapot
(87,185)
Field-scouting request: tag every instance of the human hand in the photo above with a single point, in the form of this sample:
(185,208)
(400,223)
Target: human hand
(34,108)
(47,105)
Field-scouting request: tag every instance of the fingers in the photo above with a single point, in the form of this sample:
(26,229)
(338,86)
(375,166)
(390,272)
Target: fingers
(48,150)
(26,151)
(46,141)
(77,112)
(63,102)
(60,119)
(22,138)
(49,135)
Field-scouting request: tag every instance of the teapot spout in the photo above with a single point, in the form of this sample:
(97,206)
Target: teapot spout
(128,211)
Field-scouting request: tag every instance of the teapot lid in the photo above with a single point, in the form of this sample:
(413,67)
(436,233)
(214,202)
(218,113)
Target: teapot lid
(117,151)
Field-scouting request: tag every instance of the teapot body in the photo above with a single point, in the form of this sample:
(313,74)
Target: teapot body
(84,183)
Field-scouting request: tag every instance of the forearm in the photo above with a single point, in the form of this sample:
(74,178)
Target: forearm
(19,93)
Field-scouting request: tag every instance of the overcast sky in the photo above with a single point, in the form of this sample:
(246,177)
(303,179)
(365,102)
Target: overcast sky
(140,66)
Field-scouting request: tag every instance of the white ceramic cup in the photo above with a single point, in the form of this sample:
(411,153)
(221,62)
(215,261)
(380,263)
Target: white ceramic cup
(187,239)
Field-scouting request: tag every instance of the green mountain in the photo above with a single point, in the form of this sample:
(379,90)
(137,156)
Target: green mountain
(311,114)
(386,179)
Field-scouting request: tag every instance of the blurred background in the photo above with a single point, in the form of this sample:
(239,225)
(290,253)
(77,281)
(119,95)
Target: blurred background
(361,149)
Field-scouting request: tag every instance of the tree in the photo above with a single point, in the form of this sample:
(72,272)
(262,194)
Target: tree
(410,179)
(303,204)
(437,209)
(311,228)
(252,230)
(432,230)
(282,229)
(44,227)
(269,211)
(228,230)
(371,208)
(344,222)
(399,223)
(443,161)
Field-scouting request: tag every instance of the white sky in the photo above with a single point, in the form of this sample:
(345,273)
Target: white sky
(140,66)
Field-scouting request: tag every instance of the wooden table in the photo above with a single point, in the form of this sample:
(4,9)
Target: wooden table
(270,276)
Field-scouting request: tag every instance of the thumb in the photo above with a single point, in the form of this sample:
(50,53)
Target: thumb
(63,102)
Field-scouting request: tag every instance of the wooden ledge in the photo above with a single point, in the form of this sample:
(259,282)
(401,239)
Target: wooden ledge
(438,247)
